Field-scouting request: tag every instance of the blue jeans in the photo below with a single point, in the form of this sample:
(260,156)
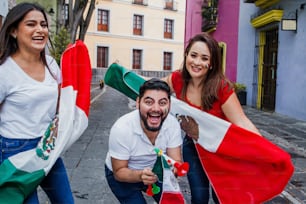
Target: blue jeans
(198,181)
(55,184)
(129,193)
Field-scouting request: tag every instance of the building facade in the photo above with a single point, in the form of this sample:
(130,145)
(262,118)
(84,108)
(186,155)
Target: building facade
(3,10)
(264,49)
(144,35)
(222,24)
(138,34)
(279,74)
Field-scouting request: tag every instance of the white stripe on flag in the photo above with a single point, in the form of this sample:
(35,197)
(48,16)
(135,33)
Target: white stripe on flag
(211,129)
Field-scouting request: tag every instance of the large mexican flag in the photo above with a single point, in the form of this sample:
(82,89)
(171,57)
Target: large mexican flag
(243,167)
(22,173)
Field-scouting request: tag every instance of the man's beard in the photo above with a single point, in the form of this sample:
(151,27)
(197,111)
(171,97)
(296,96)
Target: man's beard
(150,128)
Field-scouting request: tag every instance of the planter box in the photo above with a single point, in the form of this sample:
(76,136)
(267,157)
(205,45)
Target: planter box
(242,97)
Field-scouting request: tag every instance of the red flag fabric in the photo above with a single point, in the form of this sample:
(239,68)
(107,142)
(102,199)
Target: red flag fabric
(74,57)
(251,170)
(243,167)
(75,91)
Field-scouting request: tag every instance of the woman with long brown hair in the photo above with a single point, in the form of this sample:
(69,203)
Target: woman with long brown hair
(202,84)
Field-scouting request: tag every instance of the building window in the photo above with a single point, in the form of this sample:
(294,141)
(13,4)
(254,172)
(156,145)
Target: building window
(103,20)
(102,57)
(168,29)
(167,60)
(169,4)
(65,14)
(137,25)
(137,55)
(140,2)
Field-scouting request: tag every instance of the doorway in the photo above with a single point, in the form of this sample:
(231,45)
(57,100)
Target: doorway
(269,71)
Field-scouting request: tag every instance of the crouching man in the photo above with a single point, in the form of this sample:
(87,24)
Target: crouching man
(133,140)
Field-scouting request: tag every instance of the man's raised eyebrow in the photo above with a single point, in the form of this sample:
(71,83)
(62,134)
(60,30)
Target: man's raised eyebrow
(165,98)
(148,97)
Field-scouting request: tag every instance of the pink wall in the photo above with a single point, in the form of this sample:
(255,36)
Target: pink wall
(227,29)
(193,18)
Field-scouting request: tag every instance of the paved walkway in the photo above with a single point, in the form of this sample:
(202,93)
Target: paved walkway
(289,134)
(85,159)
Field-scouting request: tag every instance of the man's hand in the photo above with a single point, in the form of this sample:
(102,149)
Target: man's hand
(189,125)
(148,177)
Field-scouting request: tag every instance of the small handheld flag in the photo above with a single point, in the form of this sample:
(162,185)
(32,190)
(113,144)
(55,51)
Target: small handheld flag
(182,168)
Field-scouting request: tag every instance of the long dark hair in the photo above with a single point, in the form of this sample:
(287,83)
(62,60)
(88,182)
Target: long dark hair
(212,83)
(8,44)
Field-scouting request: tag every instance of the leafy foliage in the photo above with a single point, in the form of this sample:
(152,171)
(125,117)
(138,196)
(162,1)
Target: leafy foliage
(60,42)
(78,17)
(239,87)
(209,14)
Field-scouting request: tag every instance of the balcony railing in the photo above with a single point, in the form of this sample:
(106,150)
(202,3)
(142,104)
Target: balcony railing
(209,14)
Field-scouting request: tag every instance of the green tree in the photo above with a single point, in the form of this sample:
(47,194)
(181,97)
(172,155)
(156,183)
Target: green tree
(59,44)
(78,19)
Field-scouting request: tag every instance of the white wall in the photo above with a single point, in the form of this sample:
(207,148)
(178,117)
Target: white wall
(3,8)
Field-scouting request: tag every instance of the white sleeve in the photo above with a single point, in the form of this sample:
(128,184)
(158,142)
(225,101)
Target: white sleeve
(175,136)
(5,78)
(2,86)
(119,143)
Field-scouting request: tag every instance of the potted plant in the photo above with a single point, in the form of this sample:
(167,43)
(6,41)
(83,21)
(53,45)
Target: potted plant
(240,90)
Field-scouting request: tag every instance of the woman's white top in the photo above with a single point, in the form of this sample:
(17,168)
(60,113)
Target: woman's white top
(28,106)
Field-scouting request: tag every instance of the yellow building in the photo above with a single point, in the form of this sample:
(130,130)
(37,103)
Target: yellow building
(138,34)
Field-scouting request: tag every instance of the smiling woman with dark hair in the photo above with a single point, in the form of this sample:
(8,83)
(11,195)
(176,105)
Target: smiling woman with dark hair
(201,84)
(29,90)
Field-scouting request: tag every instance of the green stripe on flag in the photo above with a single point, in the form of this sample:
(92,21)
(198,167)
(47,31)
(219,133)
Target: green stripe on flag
(124,80)
(16,184)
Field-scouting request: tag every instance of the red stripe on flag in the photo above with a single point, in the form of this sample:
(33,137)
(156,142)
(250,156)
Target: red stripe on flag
(76,72)
(246,168)
(171,198)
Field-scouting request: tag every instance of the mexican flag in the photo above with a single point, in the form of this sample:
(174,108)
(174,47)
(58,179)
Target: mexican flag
(22,173)
(163,168)
(243,167)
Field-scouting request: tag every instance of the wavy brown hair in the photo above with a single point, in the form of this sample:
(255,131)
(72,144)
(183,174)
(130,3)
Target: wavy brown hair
(214,79)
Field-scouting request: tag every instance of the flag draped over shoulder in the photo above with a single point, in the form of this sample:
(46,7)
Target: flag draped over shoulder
(243,167)
(22,173)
